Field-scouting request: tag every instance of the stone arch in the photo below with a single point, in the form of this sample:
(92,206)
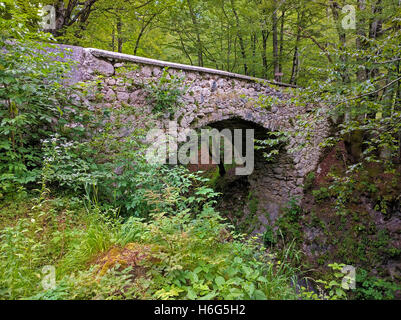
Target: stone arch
(212,96)
(272,183)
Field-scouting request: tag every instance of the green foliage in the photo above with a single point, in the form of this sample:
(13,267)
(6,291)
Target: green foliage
(196,256)
(373,288)
(127,181)
(86,285)
(32,99)
(201,259)
(289,221)
(271,146)
(253,203)
(266,102)
(321,194)
(44,231)
(309,180)
(69,163)
(165,94)
(20,254)
(61,233)
(333,289)
(269,236)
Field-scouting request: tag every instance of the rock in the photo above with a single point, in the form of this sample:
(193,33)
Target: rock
(110,96)
(221,83)
(146,71)
(394,225)
(122,96)
(156,71)
(134,97)
(191,76)
(102,67)
(111,81)
(122,89)
(213,86)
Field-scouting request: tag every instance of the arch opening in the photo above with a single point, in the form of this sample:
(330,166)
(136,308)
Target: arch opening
(251,202)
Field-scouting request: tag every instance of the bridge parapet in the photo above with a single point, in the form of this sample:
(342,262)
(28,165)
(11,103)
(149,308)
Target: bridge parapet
(212,96)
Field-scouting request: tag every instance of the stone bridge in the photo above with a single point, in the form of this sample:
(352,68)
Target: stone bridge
(218,99)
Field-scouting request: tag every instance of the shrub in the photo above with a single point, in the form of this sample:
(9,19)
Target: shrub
(124,178)
(269,236)
(164,95)
(200,258)
(373,288)
(33,100)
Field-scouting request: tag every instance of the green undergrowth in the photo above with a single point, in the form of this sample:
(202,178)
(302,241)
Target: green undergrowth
(339,220)
(194,256)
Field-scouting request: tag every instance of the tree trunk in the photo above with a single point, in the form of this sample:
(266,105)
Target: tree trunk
(265,36)
(70,14)
(197,31)
(342,39)
(253,41)
(281,47)
(120,40)
(240,38)
(295,59)
(142,32)
(360,43)
(374,30)
(276,62)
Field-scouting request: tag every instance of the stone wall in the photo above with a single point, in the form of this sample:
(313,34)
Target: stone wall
(212,96)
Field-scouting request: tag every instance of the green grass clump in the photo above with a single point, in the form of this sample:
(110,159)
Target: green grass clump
(197,256)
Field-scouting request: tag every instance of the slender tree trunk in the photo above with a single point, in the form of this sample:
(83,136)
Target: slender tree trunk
(276,62)
(353,140)
(295,64)
(185,50)
(398,97)
(142,32)
(120,40)
(360,43)
(265,36)
(253,41)
(197,31)
(342,39)
(375,29)
(240,38)
(281,45)
(295,59)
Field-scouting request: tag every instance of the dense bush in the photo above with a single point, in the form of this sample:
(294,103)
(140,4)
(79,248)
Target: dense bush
(123,179)
(165,95)
(201,259)
(33,101)
(197,256)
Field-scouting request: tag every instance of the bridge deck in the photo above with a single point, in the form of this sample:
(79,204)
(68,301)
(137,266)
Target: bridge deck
(126,57)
